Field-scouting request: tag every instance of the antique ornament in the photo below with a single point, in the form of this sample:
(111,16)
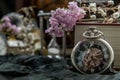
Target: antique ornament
(93,54)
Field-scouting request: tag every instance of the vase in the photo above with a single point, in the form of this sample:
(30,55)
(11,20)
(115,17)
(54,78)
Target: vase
(53,48)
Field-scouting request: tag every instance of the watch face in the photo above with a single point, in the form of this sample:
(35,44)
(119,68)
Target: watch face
(91,56)
(3,45)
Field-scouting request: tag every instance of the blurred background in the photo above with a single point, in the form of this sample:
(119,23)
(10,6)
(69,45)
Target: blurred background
(7,6)
(24,7)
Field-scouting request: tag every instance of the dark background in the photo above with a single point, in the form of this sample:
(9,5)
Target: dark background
(6,6)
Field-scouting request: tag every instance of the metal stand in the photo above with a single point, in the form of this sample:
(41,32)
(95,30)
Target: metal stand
(41,14)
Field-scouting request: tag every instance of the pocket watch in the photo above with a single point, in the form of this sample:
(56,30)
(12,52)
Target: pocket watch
(93,54)
(3,45)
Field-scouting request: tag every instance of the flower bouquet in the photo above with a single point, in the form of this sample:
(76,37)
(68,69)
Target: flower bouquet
(63,19)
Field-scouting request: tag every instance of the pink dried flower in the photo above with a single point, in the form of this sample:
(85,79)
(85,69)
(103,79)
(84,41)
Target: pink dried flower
(64,19)
(72,6)
(15,29)
(54,22)
(7,27)
(55,31)
(6,19)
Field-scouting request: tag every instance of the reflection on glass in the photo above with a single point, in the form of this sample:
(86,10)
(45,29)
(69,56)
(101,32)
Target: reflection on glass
(53,49)
(91,56)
